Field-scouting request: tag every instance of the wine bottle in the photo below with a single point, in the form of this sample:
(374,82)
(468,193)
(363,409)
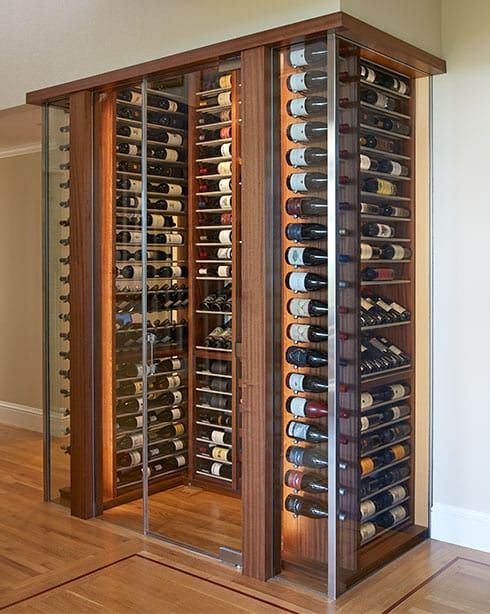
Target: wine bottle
(306,232)
(395,211)
(306,383)
(391,517)
(370,252)
(304,333)
(391,167)
(305,282)
(307,482)
(372,420)
(306,408)
(302,308)
(306,106)
(303,54)
(308,80)
(367,163)
(306,432)
(401,312)
(306,457)
(129,459)
(381,274)
(305,507)
(306,256)
(394,251)
(305,132)
(396,432)
(306,156)
(381,394)
(379,186)
(302,357)
(378,99)
(373,229)
(217,271)
(220,437)
(379,143)
(306,207)
(367,530)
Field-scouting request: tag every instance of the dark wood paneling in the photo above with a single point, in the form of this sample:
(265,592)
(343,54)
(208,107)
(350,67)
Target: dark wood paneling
(348,26)
(81,306)
(256,306)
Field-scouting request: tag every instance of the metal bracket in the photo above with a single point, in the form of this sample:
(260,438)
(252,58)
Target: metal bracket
(230,556)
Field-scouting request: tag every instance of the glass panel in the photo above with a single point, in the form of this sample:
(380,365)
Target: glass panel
(57,301)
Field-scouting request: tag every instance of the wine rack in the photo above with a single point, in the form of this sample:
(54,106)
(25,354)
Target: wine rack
(215,267)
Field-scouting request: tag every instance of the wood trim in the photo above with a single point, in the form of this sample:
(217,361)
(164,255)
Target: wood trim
(257,333)
(358,31)
(81,306)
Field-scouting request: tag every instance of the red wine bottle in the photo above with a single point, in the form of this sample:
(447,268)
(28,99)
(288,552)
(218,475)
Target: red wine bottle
(306,207)
(305,507)
(307,482)
(306,383)
(306,408)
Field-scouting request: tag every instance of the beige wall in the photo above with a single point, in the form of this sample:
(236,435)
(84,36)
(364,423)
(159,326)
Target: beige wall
(45,42)
(21,275)
(461,222)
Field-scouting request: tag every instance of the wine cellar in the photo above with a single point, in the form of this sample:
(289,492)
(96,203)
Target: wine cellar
(242,318)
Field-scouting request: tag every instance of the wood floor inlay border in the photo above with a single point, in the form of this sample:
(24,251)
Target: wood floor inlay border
(440,571)
(144,556)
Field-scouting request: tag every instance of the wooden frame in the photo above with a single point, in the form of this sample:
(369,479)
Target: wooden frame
(257,383)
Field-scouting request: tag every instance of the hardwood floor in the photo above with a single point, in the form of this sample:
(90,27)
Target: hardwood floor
(51,562)
(188,515)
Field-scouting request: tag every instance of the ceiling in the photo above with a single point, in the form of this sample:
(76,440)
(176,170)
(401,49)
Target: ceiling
(20,130)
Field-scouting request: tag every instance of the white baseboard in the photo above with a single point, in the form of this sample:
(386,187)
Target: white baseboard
(460,526)
(21,416)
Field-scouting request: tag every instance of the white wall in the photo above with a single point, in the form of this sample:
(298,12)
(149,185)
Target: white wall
(46,42)
(462,278)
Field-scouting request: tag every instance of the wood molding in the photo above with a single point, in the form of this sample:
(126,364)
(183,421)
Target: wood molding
(81,306)
(354,29)
(256,306)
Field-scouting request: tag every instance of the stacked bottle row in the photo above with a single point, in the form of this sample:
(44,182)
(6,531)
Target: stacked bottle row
(154,263)
(62,409)
(385,434)
(216,231)
(303,83)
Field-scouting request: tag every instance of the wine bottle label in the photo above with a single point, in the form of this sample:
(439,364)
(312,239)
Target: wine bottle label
(367,465)
(139,421)
(383,305)
(153,452)
(135,457)
(297,107)
(224,99)
(382,100)
(152,418)
(297,56)
(174,189)
(171,155)
(135,133)
(367,508)
(299,333)
(402,87)
(224,236)
(218,437)
(396,411)
(398,493)
(174,381)
(220,453)
(399,252)
(365,304)
(299,307)
(140,403)
(139,370)
(216,468)
(366,251)
(224,185)
(297,132)
(225,81)
(398,308)
(138,387)
(225,150)
(224,253)
(367,399)
(398,451)
(369,208)
(365,162)
(176,363)
(367,530)
(172,106)
(177,396)
(297,282)
(297,406)
(398,513)
(178,444)
(396,168)
(174,139)
(175,239)
(297,156)
(179,429)
(136,440)
(157,221)
(386,187)
(225,202)
(173,205)
(368,74)
(133,149)
(295,382)
(180,460)
(296,256)
(135,185)
(297,181)
(224,168)
(384,230)
(395,350)
(298,430)
(364,423)
(297,82)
